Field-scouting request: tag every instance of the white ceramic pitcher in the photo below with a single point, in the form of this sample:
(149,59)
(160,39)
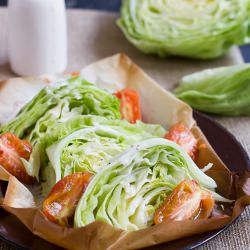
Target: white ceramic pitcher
(37,36)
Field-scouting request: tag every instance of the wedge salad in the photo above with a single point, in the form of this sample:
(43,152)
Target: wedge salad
(95,159)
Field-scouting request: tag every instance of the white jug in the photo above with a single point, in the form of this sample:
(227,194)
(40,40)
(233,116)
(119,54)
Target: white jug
(37,36)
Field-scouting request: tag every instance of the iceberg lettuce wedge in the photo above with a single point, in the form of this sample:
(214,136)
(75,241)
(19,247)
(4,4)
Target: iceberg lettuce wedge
(58,103)
(84,143)
(127,192)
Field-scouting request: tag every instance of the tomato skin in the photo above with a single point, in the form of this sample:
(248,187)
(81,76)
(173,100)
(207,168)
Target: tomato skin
(75,73)
(61,202)
(130,105)
(187,201)
(183,137)
(207,205)
(11,149)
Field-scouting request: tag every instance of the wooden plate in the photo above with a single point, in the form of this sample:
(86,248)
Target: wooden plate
(224,143)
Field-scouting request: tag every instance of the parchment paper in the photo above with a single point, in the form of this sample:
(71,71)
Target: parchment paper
(158,106)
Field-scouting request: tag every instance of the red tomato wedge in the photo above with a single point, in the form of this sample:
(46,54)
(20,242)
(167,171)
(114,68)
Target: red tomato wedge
(61,202)
(130,105)
(183,137)
(187,201)
(11,149)
(75,73)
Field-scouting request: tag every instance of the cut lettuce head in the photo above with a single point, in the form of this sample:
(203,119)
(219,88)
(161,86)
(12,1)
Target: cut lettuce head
(195,29)
(84,143)
(58,103)
(223,91)
(127,192)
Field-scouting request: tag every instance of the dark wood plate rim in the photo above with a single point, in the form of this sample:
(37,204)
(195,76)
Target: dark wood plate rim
(200,118)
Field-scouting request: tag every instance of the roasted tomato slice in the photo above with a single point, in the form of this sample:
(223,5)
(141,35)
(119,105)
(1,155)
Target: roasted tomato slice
(61,202)
(130,105)
(184,137)
(187,201)
(11,149)
(75,73)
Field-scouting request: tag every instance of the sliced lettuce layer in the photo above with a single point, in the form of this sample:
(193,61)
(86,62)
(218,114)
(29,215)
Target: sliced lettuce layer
(127,192)
(58,103)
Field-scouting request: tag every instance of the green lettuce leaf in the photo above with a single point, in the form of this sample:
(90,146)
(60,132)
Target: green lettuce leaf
(223,91)
(58,103)
(195,29)
(126,193)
